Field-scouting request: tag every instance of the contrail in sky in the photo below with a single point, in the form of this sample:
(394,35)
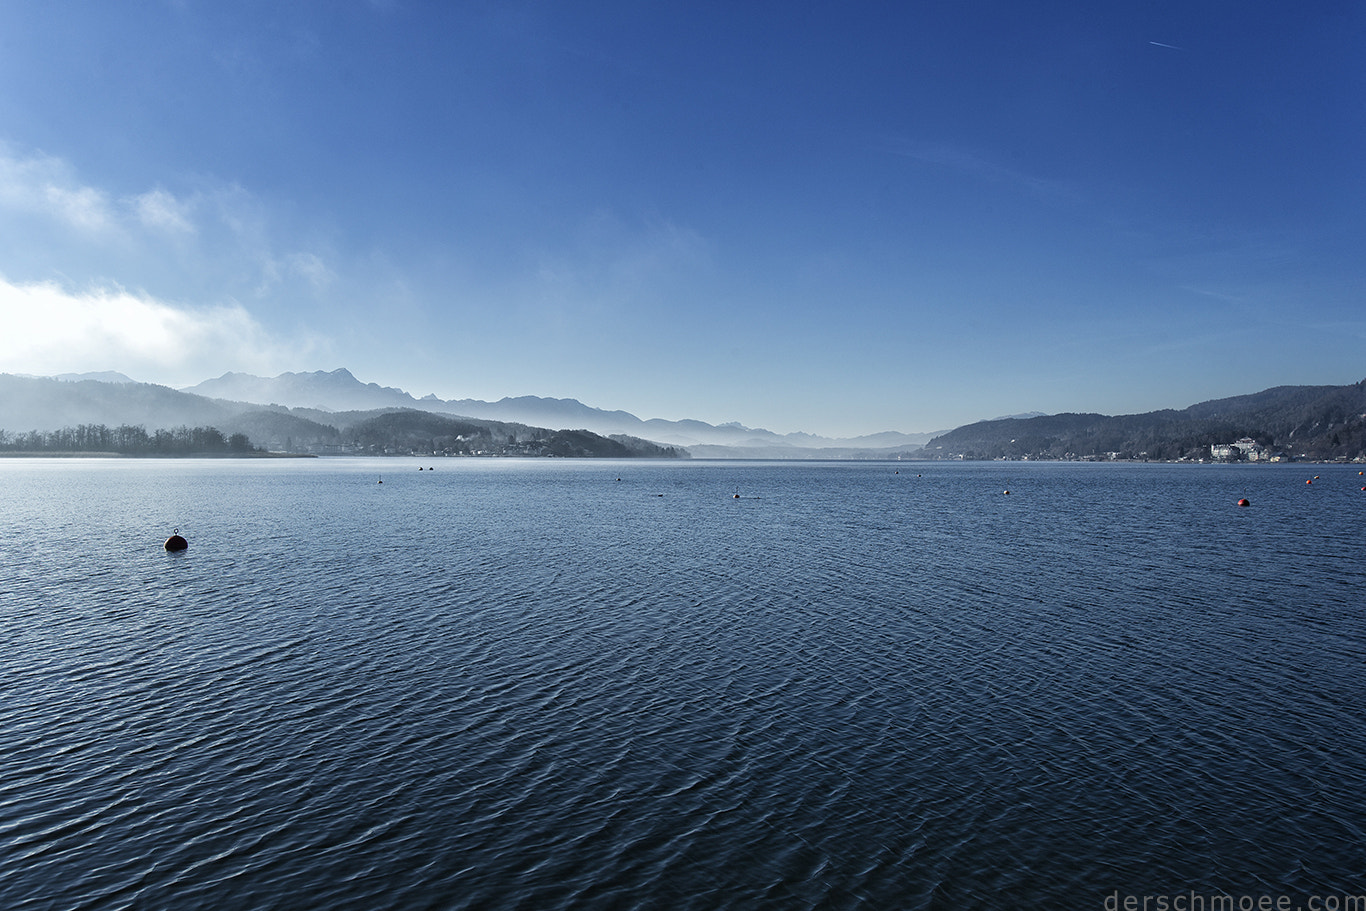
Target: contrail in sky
(1172,46)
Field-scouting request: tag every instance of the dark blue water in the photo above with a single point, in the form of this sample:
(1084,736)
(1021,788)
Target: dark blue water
(549,684)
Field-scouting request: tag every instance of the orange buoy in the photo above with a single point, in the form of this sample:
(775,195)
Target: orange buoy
(176,542)
(1244,502)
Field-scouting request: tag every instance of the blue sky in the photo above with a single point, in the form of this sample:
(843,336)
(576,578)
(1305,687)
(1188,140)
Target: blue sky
(832,217)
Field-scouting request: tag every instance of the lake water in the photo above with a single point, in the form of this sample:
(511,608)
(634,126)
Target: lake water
(578,684)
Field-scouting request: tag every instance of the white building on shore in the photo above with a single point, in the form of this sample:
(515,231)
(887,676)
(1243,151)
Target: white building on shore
(1246,448)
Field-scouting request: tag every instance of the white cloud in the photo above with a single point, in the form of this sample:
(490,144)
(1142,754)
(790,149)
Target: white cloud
(311,268)
(45,186)
(50,329)
(213,239)
(82,207)
(162,211)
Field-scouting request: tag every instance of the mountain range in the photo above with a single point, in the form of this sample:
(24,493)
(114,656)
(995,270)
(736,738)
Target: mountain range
(290,408)
(321,411)
(339,390)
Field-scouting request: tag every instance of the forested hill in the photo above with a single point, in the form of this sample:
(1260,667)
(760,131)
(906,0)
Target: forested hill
(1311,422)
(410,431)
(424,433)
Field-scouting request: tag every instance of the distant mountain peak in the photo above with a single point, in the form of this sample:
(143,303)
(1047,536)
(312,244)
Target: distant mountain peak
(336,390)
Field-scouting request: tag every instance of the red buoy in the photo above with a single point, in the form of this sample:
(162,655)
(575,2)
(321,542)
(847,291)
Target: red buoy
(1244,502)
(176,542)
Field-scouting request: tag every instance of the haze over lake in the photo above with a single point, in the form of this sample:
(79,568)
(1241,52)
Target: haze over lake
(598,684)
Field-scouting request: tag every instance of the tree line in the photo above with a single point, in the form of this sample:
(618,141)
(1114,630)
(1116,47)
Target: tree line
(128,439)
(403,432)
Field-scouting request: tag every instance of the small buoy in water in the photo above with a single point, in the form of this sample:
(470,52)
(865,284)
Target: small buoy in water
(1310,481)
(1007,491)
(176,542)
(1244,502)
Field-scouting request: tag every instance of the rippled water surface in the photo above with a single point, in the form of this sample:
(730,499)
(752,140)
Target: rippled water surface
(553,684)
